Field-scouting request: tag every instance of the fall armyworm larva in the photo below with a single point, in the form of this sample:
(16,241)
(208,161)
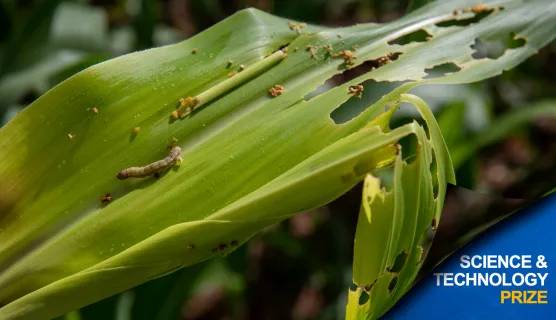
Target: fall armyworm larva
(155,167)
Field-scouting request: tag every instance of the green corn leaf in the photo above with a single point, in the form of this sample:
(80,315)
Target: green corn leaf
(250,160)
(392,235)
(451,123)
(502,128)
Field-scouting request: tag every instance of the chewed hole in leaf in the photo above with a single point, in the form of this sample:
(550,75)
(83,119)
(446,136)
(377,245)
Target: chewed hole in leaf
(434,175)
(417,36)
(392,284)
(363,298)
(339,79)
(379,62)
(353,287)
(369,287)
(409,114)
(399,263)
(409,146)
(283,46)
(349,74)
(462,21)
(386,176)
(494,49)
(372,92)
(441,70)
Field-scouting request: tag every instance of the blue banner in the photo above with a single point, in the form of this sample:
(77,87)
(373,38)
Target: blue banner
(504,273)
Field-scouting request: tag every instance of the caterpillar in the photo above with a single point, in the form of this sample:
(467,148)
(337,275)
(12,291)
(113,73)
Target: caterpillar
(153,168)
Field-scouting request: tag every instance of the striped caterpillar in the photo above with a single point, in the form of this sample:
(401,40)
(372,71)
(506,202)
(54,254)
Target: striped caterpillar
(153,168)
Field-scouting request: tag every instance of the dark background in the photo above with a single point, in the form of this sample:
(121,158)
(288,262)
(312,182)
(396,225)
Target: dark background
(301,268)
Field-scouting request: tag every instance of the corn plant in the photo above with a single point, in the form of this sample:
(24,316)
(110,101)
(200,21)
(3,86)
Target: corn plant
(255,148)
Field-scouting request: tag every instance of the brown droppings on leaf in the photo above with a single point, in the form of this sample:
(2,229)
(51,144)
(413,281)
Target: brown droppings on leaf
(222,246)
(456,12)
(242,67)
(188,106)
(229,64)
(194,51)
(340,35)
(294,26)
(329,48)
(308,47)
(95,110)
(347,55)
(234,243)
(191,246)
(175,115)
(136,129)
(106,198)
(303,25)
(391,56)
(70,135)
(231,74)
(478,8)
(464,10)
(356,90)
(313,53)
(355,47)
(276,90)
(433,224)
(296,49)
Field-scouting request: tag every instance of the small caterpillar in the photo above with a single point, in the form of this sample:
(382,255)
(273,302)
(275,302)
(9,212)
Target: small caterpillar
(153,168)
